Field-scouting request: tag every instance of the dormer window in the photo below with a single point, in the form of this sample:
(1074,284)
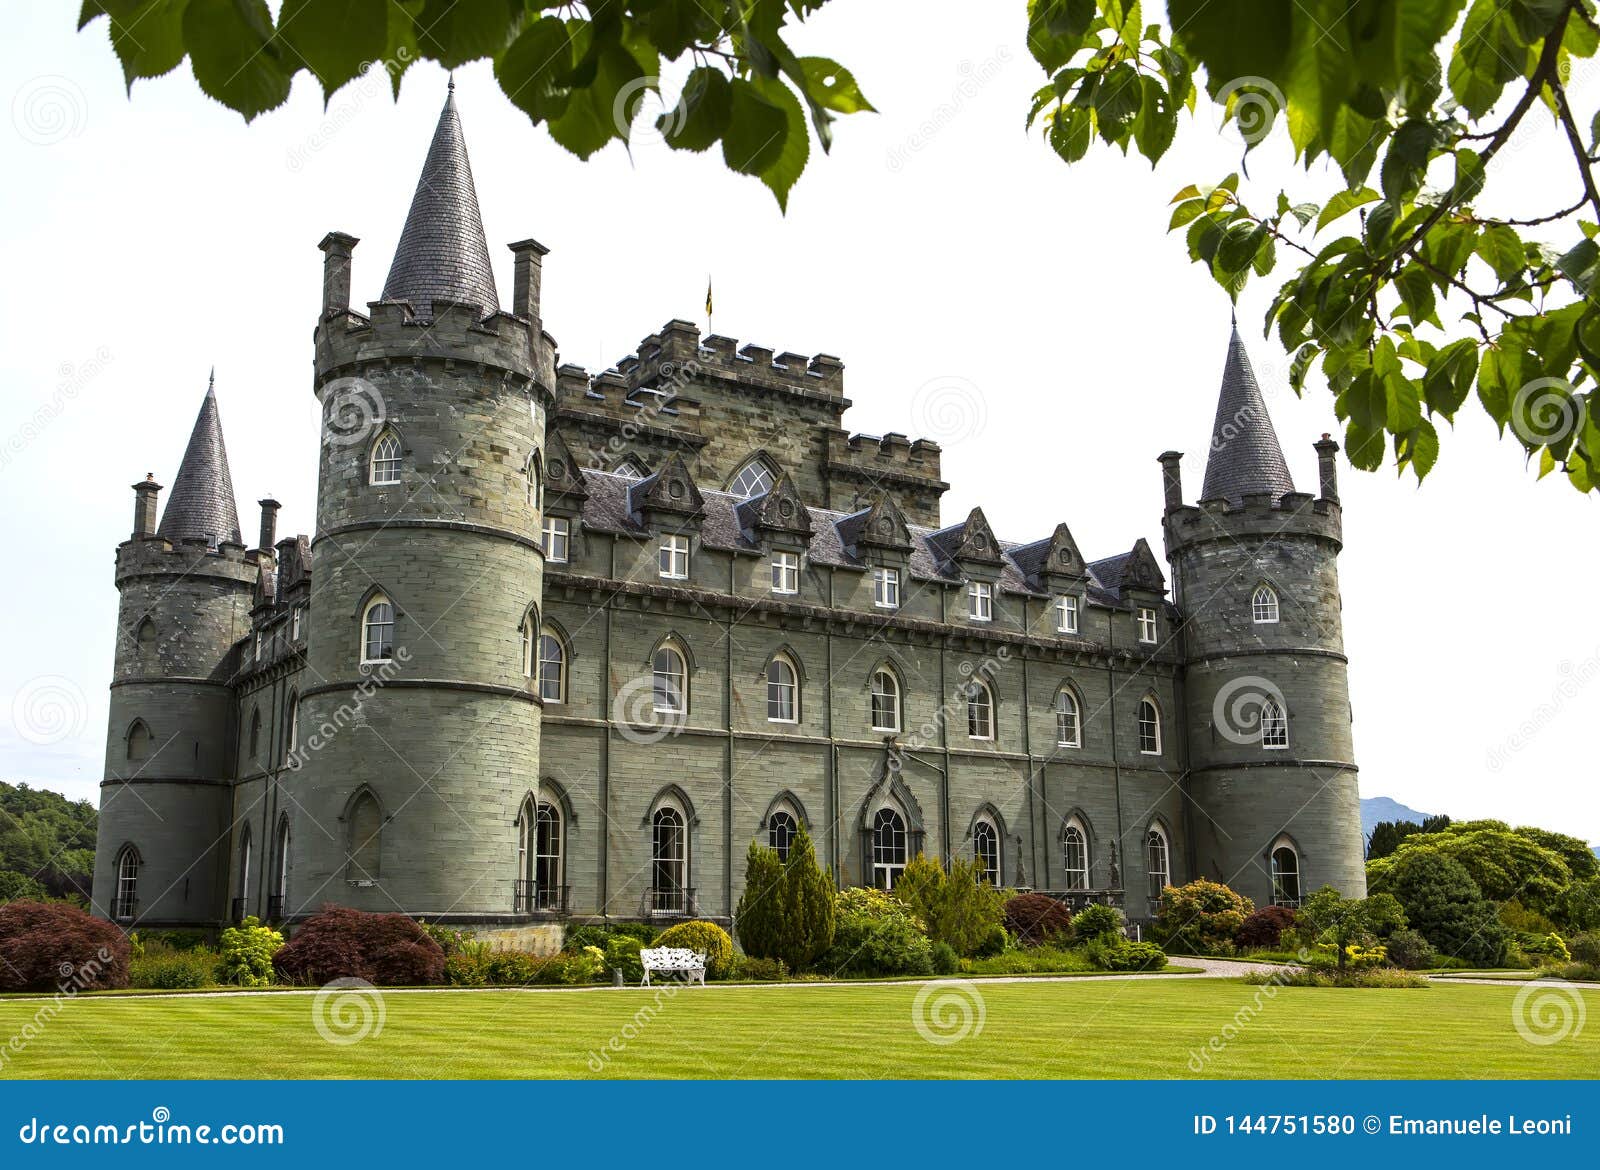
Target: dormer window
(385,460)
(786,572)
(632,468)
(754,479)
(1066,614)
(672,558)
(1147,624)
(886,588)
(980,601)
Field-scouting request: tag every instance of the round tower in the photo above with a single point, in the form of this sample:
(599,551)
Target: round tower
(1275,811)
(418,727)
(166,800)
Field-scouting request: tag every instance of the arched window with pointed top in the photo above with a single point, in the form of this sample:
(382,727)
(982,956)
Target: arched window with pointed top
(885,700)
(888,847)
(145,638)
(125,898)
(1274,726)
(632,467)
(980,710)
(1285,875)
(669,858)
(783,690)
(246,863)
(255,734)
(1158,861)
(552,666)
(1149,727)
(782,827)
(384,461)
(753,479)
(1075,854)
(278,896)
(535,481)
(1069,726)
(669,681)
(364,843)
(293,737)
(377,630)
(986,849)
(1264,606)
(138,741)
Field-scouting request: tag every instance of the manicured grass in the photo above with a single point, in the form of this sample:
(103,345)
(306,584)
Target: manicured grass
(1066,1028)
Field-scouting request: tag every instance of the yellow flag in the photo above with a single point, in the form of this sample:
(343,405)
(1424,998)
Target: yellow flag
(708,296)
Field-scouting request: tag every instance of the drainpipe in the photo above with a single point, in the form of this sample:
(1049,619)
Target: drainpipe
(1111,703)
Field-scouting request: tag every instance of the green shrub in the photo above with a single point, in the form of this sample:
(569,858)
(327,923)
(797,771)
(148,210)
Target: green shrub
(1032,960)
(874,934)
(1125,955)
(468,965)
(1548,949)
(806,929)
(759,970)
(705,938)
(449,939)
(996,942)
(568,969)
(1410,950)
(161,968)
(1095,920)
(1585,948)
(759,916)
(1332,977)
(958,908)
(1444,905)
(622,954)
(245,953)
(19,887)
(175,940)
(512,969)
(1587,972)
(1036,919)
(1200,918)
(944,958)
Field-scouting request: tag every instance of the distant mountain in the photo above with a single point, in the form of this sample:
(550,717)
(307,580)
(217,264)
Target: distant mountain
(1381,808)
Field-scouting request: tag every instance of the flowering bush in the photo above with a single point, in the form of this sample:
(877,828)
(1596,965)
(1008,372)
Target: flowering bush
(45,946)
(874,934)
(246,953)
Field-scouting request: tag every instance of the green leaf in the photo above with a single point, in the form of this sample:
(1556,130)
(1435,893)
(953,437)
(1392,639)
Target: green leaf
(1157,122)
(1489,55)
(757,127)
(1449,377)
(832,86)
(599,106)
(1578,265)
(702,112)
(1419,448)
(1501,249)
(1345,202)
(1237,249)
(1071,131)
(1184,212)
(234,55)
(335,38)
(453,32)
(1116,103)
(1469,176)
(781,173)
(1407,161)
(1057,30)
(146,35)
(533,68)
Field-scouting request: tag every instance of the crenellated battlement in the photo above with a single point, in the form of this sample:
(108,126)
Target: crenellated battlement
(876,455)
(616,396)
(678,354)
(390,332)
(1257,515)
(155,556)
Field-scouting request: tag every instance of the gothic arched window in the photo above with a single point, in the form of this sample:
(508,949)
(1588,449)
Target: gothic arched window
(669,682)
(126,896)
(1149,727)
(1264,605)
(1274,725)
(1158,862)
(781,830)
(980,710)
(377,630)
(1286,877)
(365,845)
(986,850)
(783,691)
(1075,855)
(669,861)
(1069,731)
(385,460)
(552,667)
(755,478)
(888,848)
(885,700)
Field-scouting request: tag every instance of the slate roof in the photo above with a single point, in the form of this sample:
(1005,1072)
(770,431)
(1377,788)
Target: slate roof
(1245,456)
(725,526)
(442,252)
(201,503)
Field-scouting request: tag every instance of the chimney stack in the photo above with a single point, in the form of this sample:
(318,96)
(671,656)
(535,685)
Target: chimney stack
(1172,478)
(1326,449)
(336,248)
(525,275)
(144,507)
(269,524)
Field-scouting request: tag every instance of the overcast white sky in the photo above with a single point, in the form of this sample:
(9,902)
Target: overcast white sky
(1034,318)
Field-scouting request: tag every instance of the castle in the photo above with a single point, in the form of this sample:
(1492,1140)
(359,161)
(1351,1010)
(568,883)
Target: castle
(563,646)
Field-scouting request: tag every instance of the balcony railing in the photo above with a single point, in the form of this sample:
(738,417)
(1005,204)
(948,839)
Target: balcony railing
(532,898)
(671,902)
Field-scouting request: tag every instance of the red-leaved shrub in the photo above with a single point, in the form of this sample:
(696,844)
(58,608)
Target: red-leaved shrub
(1035,919)
(46,946)
(1263,927)
(336,942)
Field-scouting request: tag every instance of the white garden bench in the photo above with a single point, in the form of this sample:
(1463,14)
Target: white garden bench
(673,960)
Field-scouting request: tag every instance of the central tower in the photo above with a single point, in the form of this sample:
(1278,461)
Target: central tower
(418,729)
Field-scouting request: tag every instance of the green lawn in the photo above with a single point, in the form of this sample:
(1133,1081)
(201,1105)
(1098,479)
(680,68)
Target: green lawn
(1067,1028)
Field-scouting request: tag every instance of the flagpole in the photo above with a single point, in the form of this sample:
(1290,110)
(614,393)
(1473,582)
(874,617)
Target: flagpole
(708,304)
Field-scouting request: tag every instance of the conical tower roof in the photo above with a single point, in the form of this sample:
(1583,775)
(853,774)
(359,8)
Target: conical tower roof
(1245,456)
(442,253)
(201,503)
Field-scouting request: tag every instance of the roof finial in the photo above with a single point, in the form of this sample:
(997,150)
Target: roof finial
(1233,315)
(450,82)
(211,383)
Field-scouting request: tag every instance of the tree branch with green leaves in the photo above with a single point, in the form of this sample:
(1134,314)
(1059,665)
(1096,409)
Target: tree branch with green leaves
(1412,89)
